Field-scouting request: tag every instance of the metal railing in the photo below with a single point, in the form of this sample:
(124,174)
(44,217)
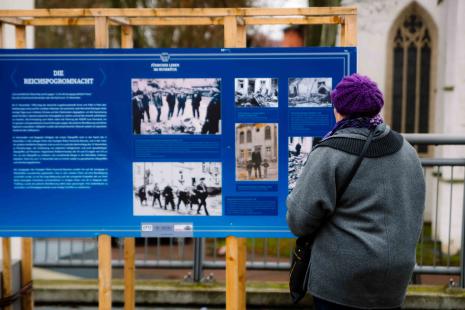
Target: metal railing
(435,255)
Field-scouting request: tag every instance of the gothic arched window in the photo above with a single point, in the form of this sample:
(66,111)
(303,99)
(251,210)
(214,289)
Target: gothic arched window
(411,68)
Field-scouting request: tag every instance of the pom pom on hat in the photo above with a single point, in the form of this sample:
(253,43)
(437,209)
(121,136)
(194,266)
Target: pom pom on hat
(356,95)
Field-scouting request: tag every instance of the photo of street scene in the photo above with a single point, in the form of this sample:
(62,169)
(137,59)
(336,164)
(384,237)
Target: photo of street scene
(177,188)
(298,148)
(256,92)
(176,106)
(257,152)
(309,92)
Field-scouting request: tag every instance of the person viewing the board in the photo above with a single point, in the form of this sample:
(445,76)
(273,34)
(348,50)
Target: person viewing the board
(359,203)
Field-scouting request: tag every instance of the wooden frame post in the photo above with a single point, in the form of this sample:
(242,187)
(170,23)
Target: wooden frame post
(27,302)
(7,287)
(101,32)
(349,31)
(20,36)
(26,243)
(104,241)
(104,272)
(129,273)
(230,31)
(127,37)
(236,248)
(241,33)
(127,41)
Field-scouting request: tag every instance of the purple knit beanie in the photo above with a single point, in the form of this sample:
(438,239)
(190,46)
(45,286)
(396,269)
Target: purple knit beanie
(356,95)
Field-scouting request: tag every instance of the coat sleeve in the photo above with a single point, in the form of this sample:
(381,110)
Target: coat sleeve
(314,196)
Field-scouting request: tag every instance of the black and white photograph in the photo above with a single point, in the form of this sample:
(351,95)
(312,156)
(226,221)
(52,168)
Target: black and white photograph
(257,152)
(256,92)
(177,188)
(176,106)
(309,92)
(298,148)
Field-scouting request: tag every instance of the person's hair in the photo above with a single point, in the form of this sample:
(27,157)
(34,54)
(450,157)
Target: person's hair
(299,29)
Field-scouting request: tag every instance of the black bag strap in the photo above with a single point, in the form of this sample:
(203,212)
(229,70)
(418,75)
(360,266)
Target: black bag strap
(342,189)
(357,164)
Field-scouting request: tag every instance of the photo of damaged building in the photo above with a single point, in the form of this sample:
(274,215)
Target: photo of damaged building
(257,152)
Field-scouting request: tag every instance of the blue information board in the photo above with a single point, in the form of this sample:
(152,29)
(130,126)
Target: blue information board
(159,142)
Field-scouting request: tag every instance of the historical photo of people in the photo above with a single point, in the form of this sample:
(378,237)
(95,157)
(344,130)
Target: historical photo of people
(177,188)
(298,149)
(256,92)
(176,106)
(257,152)
(309,92)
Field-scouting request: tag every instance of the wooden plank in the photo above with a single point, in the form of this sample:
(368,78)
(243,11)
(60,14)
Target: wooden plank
(180,12)
(129,273)
(127,37)
(319,20)
(101,32)
(7,284)
(26,272)
(235,273)
(230,31)
(60,21)
(119,20)
(307,11)
(349,31)
(12,20)
(20,36)
(135,21)
(173,21)
(104,272)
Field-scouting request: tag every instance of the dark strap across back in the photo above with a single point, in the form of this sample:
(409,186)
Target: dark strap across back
(389,144)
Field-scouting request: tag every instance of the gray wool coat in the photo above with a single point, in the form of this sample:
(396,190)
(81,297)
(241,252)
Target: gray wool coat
(363,253)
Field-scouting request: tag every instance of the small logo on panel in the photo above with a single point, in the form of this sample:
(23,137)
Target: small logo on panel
(147,227)
(165,57)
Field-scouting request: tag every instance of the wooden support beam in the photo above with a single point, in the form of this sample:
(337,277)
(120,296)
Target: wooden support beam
(101,32)
(7,284)
(318,20)
(26,272)
(129,273)
(189,21)
(119,20)
(180,12)
(235,273)
(20,36)
(15,21)
(349,31)
(176,21)
(104,272)
(60,21)
(72,21)
(127,37)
